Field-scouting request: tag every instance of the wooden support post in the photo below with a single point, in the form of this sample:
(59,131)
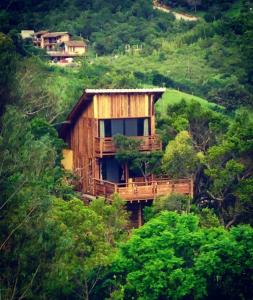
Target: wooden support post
(173,187)
(126,173)
(139,214)
(192,186)
(101,147)
(94,187)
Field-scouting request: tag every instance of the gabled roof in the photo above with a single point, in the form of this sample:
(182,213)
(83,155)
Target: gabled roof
(88,96)
(55,34)
(89,93)
(75,43)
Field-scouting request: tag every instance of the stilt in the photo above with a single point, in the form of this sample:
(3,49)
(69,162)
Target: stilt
(139,215)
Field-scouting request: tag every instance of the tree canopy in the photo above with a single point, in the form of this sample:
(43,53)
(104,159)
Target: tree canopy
(171,256)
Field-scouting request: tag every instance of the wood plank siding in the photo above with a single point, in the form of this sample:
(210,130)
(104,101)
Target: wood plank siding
(121,106)
(82,144)
(83,133)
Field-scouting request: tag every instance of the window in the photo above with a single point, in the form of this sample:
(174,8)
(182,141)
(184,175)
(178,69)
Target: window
(128,127)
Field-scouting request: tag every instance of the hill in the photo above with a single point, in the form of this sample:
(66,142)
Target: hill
(131,44)
(172,96)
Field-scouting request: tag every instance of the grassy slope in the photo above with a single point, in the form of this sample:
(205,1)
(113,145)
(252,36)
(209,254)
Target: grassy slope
(172,96)
(184,65)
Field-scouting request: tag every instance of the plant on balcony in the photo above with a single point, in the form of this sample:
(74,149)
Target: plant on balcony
(127,152)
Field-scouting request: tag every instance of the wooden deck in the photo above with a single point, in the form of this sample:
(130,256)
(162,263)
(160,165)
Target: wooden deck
(105,146)
(136,191)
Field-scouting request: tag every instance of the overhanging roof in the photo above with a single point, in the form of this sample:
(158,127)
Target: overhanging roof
(89,93)
(125,91)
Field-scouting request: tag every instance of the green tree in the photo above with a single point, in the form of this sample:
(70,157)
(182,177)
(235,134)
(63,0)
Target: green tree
(77,235)
(180,158)
(174,202)
(114,216)
(229,167)
(147,163)
(8,61)
(172,257)
(26,180)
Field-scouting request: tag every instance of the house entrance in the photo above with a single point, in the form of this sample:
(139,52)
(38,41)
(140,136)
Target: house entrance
(111,170)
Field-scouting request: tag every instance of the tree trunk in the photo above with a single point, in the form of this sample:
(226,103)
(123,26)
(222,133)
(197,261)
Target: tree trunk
(231,222)
(86,290)
(220,213)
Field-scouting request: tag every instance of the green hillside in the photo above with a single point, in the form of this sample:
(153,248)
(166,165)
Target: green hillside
(172,96)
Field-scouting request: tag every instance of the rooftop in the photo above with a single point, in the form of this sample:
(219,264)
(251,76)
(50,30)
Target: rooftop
(41,32)
(125,91)
(76,43)
(55,34)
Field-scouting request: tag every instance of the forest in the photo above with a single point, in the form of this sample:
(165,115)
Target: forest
(52,245)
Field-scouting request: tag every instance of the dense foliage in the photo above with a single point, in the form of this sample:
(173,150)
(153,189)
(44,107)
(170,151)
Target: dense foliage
(172,257)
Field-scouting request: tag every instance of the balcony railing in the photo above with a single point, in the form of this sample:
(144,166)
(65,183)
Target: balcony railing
(105,146)
(143,190)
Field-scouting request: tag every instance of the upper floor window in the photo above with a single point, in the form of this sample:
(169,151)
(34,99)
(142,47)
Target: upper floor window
(127,127)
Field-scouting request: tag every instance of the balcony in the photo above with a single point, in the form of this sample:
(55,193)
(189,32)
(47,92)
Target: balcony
(105,146)
(137,191)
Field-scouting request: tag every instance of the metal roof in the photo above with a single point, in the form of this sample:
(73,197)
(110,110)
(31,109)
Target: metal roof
(124,91)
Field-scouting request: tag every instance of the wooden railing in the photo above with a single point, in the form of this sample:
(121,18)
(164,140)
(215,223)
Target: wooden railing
(143,190)
(105,146)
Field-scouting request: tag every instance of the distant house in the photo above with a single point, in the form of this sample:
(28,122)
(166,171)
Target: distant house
(27,34)
(52,40)
(37,39)
(75,47)
(59,45)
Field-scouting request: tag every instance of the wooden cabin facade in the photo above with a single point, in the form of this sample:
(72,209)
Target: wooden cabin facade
(89,131)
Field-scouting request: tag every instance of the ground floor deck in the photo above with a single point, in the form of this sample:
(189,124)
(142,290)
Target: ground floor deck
(143,190)
(139,194)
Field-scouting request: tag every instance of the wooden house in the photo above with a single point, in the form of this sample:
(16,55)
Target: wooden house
(89,130)
(52,41)
(37,38)
(75,48)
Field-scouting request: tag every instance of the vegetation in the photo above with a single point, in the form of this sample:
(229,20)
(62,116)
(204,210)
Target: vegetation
(144,163)
(53,246)
(172,257)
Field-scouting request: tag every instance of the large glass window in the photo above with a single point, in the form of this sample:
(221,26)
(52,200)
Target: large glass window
(128,127)
(112,170)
